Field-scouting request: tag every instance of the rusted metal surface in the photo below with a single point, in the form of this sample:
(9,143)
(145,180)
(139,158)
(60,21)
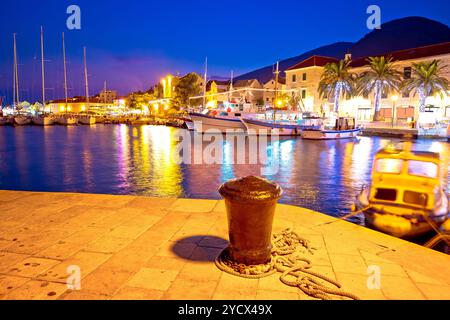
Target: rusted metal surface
(250,204)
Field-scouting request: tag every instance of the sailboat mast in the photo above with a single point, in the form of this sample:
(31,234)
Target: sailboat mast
(231,87)
(86,79)
(276,92)
(42,68)
(65,69)
(104,92)
(276,83)
(16,75)
(14,83)
(204,82)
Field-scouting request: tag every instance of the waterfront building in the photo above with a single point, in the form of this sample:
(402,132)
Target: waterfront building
(108,96)
(76,105)
(305,77)
(248,91)
(217,93)
(269,90)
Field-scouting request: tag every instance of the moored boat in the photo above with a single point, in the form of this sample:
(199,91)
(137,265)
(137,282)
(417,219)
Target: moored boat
(21,120)
(66,120)
(405,197)
(267,127)
(42,120)
(217,121)
(343,128)
(86,119)
(5,121)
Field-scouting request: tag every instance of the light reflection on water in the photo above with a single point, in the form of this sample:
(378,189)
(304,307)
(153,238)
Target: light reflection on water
(118,159)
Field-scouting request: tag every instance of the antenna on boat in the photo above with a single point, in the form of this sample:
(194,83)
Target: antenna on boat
(42,68)
(86,79)
(65,70)
(204,82)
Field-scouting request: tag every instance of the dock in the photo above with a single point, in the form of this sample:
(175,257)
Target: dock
(134,247)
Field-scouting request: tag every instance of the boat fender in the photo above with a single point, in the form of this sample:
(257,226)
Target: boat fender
(445,227)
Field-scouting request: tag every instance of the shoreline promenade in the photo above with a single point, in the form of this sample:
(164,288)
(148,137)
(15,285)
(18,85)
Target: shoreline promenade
(133,247)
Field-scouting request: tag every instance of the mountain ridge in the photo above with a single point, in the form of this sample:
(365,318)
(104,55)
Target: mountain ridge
(398,34)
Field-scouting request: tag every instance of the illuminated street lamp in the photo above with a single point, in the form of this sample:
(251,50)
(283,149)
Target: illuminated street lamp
(394,99)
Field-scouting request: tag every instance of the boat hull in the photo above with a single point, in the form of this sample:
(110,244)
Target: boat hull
(399,221)
(21,121)
(329,134)
(205,124)
(4,121)
(42,121)
(87,120)
(258,127)
(67,121)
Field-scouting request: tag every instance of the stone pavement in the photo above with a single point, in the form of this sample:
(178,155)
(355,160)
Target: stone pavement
(130,247)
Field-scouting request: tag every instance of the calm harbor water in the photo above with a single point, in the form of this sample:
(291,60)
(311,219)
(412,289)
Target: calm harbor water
(118,159)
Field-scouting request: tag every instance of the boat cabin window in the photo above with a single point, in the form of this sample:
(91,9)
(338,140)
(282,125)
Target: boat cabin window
(386,194)
(422,169)
(389,166)
(417,198)
(237,114)
(224,114)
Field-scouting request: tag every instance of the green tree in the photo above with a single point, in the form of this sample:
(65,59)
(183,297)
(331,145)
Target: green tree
(382,77)
(337,81)
(427,79)
(185,87)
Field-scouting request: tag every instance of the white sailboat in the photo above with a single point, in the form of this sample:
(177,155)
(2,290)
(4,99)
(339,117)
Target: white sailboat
(87,119)
(43,119)
(19,119)
(65,119)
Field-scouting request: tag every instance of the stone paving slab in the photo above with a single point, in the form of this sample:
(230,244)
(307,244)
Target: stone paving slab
(130,247)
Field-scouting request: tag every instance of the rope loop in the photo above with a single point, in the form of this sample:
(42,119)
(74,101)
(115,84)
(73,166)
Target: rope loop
(288,259)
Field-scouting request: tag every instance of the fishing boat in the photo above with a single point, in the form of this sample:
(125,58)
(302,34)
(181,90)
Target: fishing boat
(286,123)
(405,197)
(269,127)
(214,120)
(187,121)
(341,128)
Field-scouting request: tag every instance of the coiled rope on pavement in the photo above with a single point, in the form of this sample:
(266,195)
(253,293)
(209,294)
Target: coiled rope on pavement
(288,258)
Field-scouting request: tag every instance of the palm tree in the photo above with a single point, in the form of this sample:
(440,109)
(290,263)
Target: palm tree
(427,80)
(337,80)
(382,77)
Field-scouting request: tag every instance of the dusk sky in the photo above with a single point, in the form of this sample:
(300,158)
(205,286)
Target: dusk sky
(131,44)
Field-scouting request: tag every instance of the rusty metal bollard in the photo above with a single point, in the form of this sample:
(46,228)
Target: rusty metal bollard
(250,204)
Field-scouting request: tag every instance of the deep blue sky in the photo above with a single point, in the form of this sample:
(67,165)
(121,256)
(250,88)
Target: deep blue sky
(131,44)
